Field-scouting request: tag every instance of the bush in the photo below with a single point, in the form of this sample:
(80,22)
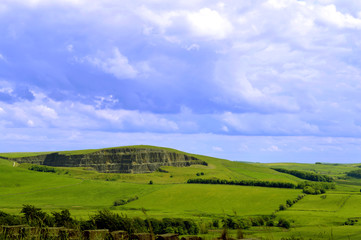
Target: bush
(42,168)
(282,207)
(318,187)
(270,223)
(63,219)
(35,217)
(7,219)
(237,223)
(105,219)
(283,223)
(119,202)
(309,190)
(350,221)
(355,173)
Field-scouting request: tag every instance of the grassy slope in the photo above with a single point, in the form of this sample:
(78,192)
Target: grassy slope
(84,191)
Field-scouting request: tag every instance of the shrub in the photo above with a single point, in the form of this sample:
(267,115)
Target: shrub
(63,219)
(105,219)
(318,187)
(355,173)
(309,190)
(282,207)
(284,223)
(350,221)
(7,219)
(42,168)
(119,202)
(270,223)
(35,217)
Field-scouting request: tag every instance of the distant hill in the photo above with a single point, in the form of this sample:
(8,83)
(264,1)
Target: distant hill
(132,159)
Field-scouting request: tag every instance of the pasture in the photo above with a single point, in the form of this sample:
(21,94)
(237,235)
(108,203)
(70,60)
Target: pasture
(85,191)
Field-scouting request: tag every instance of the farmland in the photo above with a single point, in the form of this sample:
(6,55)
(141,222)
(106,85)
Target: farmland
(84,192)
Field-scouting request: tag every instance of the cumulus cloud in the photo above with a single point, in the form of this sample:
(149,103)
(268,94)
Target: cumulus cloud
(331,15)
(257,68)
(117,65)
(209,23)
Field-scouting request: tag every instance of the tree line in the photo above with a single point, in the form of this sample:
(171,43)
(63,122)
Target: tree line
(307,186)
(355,173)
(257,183)
(103,219)
(306,175)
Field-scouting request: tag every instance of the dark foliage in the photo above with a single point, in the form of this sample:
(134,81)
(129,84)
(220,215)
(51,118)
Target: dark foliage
(8,219)
(283,223)
(120,202)
(351,221)
(315,188)
(244,183)
(63,219)
(306,175)
(107,220)
(355,173)
(245,223)
(42,168)
(35,217)
(289,203)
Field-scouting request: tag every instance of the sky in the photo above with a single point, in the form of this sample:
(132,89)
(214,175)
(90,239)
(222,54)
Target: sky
(261,80)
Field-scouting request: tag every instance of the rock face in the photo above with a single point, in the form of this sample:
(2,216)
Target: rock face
(117,160)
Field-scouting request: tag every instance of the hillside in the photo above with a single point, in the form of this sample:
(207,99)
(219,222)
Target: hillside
(84,191)
(113,160)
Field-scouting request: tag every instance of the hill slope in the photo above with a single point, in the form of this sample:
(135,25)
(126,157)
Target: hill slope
(84,191)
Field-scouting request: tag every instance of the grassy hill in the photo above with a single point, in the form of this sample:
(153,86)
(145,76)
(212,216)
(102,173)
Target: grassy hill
(84,191)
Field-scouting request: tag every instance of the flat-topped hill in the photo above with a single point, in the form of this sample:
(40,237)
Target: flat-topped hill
(135,159)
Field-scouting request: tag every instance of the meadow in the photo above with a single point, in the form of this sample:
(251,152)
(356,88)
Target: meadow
(84,192)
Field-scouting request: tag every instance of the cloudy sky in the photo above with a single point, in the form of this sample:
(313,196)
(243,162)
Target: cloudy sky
(261,80)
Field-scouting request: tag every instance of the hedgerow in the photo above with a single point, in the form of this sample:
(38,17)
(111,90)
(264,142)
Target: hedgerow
(306,175)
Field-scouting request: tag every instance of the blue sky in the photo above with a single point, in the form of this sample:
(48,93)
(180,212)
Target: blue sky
(263,80)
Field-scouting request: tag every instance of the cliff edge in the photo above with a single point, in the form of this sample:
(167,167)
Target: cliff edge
(116,160)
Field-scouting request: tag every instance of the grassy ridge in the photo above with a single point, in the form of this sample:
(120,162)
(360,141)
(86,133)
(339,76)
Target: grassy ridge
(85,191)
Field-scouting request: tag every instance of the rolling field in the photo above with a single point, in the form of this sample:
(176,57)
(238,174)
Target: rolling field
(85,191)
(197,200)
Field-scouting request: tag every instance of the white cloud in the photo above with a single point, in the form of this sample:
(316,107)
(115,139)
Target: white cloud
(30,123)
(138,119)
(209,23)
(283,124)
(272,148)
(46,111)
(117,65)
(329,14)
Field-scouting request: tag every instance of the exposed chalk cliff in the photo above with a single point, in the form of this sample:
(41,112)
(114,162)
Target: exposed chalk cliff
(116,160)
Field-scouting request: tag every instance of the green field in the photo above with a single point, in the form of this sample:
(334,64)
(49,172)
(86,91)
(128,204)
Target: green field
(85,191)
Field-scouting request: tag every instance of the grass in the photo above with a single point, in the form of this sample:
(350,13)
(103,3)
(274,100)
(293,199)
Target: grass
(84,191)
(194,200)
